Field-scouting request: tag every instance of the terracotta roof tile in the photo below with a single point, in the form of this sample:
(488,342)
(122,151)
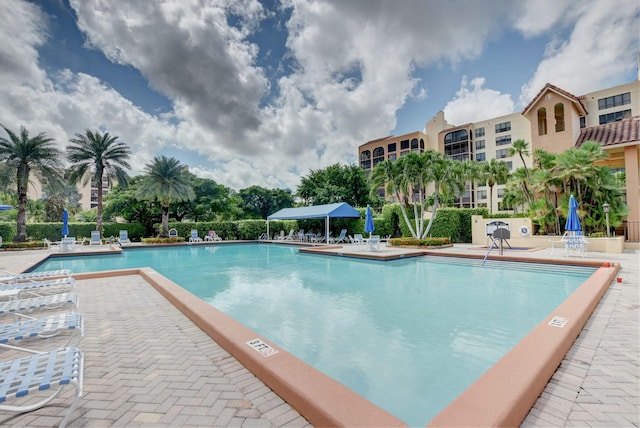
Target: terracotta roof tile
(624,131)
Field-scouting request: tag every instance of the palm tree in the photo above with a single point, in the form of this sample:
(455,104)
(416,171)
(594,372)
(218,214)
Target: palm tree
(166,181)
(495,172)
(25,155)
(521,148)
(94,156)
(389,174)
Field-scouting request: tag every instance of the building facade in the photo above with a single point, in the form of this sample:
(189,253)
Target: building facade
(554,120)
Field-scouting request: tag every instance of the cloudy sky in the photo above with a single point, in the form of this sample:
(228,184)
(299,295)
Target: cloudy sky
(259,92)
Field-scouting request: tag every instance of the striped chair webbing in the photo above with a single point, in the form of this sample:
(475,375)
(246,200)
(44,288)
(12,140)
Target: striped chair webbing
(42,302)
(39,372)
(6,276)
(40,326)
(33,285)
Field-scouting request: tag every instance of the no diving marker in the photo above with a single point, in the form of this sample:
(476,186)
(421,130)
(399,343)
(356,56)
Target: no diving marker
(558,321)
(262,347)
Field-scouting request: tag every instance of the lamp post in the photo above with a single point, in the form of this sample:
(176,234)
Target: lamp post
(605,207)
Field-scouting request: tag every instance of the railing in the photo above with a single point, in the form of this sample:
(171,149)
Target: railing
(632,231)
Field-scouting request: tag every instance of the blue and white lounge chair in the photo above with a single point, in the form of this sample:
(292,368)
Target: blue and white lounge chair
(21,307)
(40,328)
(358,239)
(124,237)
(194,236)
(37,373)
(7,277)
(212,236)
(340,238)
(95,238)
(37,288)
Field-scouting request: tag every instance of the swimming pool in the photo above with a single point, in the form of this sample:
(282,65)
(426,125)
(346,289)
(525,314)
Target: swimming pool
(405,334)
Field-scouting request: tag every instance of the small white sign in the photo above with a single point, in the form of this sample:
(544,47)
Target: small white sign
(558,321)
(262,347)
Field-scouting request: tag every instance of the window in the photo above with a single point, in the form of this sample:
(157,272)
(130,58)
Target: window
(501,154)
(614,117)
(542,121)
(482,194)
(404,144)
(404,152)
(614,101)
(558,112)
(583,122)
(481,157)
(392,156)
(500,193)
(391,147)
(479,132)
(365,159)
(502,141)
(509,165)
(503,127)
(378,155)
(479,144)
(457,145)
(414,146)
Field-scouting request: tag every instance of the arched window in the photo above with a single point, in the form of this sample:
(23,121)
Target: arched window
(542,121)
(558,111)
(378,155)
(421,145)
(365,159)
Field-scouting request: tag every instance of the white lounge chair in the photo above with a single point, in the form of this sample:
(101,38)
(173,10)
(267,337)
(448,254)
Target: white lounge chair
(358,239)
(37,373)
(95,238)
(123,237)
(373,243)
(21,307)
(10,277)
(340,238)
(36,288)
(575,245)
(68,244)
(194,236)
(41,328)
(212,236)
(290,236)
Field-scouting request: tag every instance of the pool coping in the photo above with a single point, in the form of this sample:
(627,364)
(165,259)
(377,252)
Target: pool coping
(503,396)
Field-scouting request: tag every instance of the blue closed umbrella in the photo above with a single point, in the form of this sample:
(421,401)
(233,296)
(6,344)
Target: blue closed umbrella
(368,221)
(573,222)
(5,207)
(65,223)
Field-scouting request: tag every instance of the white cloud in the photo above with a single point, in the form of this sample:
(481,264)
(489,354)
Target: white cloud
(474,103)
(602,48)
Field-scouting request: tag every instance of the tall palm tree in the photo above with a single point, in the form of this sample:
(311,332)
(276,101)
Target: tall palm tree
(94,156)
(521,148)
(495,172)
(25,155)
(389,174)
(166,181)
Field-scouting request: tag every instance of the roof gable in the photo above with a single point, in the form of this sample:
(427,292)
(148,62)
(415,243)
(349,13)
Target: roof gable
(580,108)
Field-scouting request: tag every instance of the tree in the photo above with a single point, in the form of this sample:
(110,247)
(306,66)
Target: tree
(165,181)
(521,148)
(258,202)
(94,156)
(26,155)
(126,203)
(494,172)
(335,183)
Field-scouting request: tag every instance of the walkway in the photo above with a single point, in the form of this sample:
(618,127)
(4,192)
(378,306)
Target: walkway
(148,365)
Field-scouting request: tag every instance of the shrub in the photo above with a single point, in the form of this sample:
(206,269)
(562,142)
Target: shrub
(163,240)
(22,245)
(427,242)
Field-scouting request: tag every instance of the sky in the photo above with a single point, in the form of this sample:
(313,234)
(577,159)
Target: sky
(262,92)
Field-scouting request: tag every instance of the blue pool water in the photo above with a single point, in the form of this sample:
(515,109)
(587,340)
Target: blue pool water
(409,335)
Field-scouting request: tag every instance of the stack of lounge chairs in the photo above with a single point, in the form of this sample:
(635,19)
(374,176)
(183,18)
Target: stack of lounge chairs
(40,329)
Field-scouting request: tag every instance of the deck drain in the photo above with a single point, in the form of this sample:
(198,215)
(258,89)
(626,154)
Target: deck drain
(558,321)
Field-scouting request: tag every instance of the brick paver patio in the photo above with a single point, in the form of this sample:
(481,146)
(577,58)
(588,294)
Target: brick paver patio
(146,364)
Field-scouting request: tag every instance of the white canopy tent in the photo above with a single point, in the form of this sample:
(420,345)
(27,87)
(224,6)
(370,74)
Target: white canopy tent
(339,210)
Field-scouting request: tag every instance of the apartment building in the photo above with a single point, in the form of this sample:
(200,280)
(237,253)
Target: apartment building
(554,120)
(88,193)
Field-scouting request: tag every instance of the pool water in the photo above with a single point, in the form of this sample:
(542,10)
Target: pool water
(409,335)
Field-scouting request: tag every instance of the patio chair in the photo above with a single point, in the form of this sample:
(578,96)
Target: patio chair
(37,373)
(357,239)
(95,238)
(290,236)
(575,245)
(36,288)
(212,236)
(123,237)
(7,277)
(194,236)
(68,244)
(41,328)
(21,307)
(263,237)
(374,243)
(340,238)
